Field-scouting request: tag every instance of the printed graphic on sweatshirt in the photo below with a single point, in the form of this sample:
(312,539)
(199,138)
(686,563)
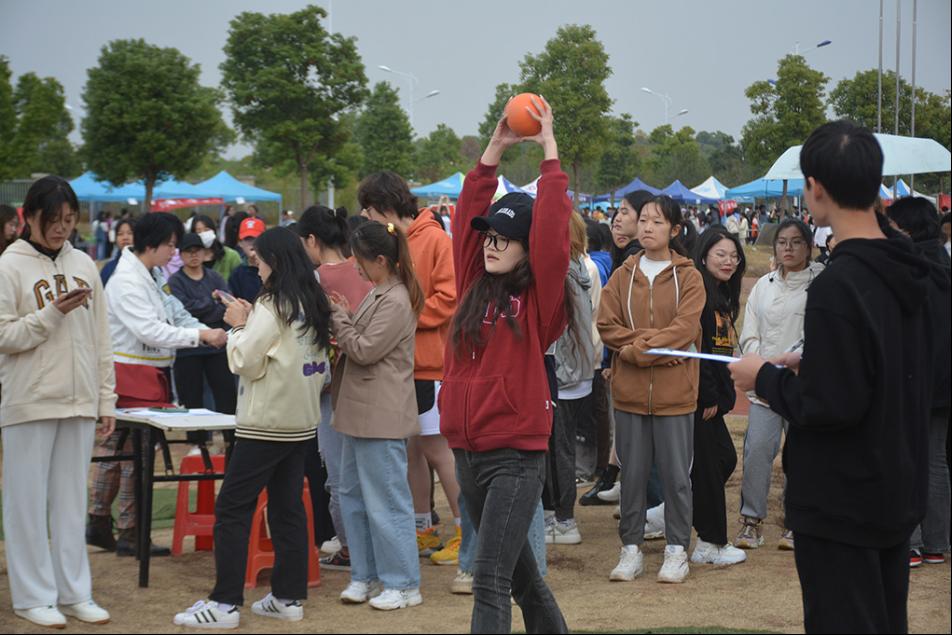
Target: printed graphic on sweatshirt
(46,293)
(515,307)
(725,337)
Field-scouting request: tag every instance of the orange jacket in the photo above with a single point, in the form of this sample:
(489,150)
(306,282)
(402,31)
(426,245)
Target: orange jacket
(432,252)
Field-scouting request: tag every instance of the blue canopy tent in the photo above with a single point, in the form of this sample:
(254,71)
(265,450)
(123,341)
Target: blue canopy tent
(91,190)
(682,194)
(635,185)
(226,187)
(450,186)
(763,188)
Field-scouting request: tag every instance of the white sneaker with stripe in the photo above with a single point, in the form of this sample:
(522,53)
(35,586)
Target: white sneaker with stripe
(287,610)
(207,614)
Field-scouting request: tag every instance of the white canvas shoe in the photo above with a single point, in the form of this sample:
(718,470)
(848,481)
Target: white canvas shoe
(48,616)
(631,564)
(654,522)
(612,495)
(207,614)
(88,612)
(270,606)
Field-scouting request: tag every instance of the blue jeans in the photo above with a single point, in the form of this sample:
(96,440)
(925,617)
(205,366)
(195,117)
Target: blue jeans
(467,545)
(330,441)
(377,508)
(501,490)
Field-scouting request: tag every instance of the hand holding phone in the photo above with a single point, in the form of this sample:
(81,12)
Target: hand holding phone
(72,300)
(223,296)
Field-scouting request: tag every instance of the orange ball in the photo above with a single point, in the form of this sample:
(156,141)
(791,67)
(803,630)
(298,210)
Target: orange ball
(519,119)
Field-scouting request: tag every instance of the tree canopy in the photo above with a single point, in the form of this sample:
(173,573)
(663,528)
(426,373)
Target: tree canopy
(384,134)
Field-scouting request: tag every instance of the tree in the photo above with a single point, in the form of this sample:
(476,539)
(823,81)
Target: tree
(619,163)
(439,154)
(785,111)
(384,134)
(855,99)
(147,117)
(289,83)
(725,157)
(570,73)
(676,155)
(8,119)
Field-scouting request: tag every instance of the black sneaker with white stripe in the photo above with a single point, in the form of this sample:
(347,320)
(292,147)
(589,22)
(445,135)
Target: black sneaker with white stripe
(208,614)
(287,610)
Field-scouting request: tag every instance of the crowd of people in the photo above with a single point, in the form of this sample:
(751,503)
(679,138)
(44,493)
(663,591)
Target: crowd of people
(513,354)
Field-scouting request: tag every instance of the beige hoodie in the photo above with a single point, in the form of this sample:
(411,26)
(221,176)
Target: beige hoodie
(52,366)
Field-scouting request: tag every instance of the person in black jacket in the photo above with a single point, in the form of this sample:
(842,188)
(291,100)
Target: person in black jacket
(918,218)
(858,399)
(719,257)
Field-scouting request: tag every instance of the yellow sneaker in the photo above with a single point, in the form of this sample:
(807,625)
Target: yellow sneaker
(428,541)
(450,553)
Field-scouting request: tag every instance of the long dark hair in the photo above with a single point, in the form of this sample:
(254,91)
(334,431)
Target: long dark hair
(233,227)
(7,214)
(326,225)
(218,250)
(292,287)
(721,296)
(46,197)
(374,239)
(917,217)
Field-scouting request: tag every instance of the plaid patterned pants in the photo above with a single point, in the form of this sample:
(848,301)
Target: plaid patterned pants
(110,479)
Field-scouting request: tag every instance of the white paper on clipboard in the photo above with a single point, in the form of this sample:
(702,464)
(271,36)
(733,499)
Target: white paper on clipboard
(727,359)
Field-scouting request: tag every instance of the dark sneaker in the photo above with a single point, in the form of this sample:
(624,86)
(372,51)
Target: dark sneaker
(915,559)
(336,562)
(126,546)
(933,558)
(604,483)
(99,532)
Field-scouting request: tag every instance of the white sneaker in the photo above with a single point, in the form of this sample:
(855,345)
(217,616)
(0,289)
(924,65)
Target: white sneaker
(631,564)
(360,592)
(709,553)
(392,599)
(462,583)
(206,614)
(88,611)
(332,546)
(675,567)
(612,495)
(654,522)
(48,616)
(563,532)
(270,606)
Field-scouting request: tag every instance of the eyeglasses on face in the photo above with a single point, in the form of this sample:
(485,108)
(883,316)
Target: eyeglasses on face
(498,242)
(796,243)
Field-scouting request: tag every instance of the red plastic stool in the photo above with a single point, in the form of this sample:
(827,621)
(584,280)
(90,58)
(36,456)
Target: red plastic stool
(201,522)
(261,549)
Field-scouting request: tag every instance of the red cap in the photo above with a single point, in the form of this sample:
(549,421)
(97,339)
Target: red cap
(251,228)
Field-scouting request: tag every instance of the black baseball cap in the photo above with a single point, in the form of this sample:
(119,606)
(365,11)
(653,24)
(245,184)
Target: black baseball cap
(510,216)
(190,241)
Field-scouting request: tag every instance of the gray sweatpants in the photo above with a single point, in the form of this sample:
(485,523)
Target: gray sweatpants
(45,467)
(761,444)
(669,443)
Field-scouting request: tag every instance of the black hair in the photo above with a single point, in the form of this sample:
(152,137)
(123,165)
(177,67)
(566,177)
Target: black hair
(385,191)
(946,219)
(353,222)
(721,296)
(371,240)
(218,250)
(292,287)
(688,236)
(595,236)
(154,229)
(847,160)
(671,211)
(122,222)
(46,197)
(637,199)
(233,227)
(801,227)
(7,214)
(439,219)
(326,225)
(915,216)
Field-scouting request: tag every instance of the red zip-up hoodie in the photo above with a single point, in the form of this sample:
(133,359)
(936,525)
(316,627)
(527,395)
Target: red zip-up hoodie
(498,396)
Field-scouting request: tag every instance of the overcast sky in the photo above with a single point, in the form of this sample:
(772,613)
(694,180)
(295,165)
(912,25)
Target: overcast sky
(701,53)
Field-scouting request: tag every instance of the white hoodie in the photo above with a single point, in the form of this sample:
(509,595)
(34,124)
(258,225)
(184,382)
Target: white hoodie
(52,366)
(773,318)
(146,321)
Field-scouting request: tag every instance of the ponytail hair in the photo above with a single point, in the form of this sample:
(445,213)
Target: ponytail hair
(374,239)
(326,225)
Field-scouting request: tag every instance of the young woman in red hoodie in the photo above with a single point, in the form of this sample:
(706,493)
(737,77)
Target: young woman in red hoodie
(495,404)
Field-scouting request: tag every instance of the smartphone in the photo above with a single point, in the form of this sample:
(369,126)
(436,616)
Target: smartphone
(223,296)
(77,292)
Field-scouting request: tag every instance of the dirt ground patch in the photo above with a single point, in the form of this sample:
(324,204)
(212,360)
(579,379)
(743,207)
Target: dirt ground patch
(761,594)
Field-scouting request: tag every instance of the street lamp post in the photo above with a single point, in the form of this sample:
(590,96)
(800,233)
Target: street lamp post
(796,47)
(413,81)
(667,104)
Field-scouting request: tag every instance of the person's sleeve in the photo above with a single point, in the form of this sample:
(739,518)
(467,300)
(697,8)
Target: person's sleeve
(250,347)
(180,315)
(19,334)
(107,369)
(549,245)
(833,390)
(612,322)
(439,307)
(474,200)
(707,382)
(750,333)
(381,336)
(130,305)
(681,333)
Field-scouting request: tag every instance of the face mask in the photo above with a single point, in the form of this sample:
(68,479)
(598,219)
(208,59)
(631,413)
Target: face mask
(208,237)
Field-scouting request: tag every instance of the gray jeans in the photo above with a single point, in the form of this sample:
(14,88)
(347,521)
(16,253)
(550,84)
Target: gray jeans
(761,444)
(668,442)
(932,536)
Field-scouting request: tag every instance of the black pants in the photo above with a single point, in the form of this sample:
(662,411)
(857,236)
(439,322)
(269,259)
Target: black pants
(191,372)
(279,466)
(560,490)
(714,461)
(849,589)
(603,422)
(316,475)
